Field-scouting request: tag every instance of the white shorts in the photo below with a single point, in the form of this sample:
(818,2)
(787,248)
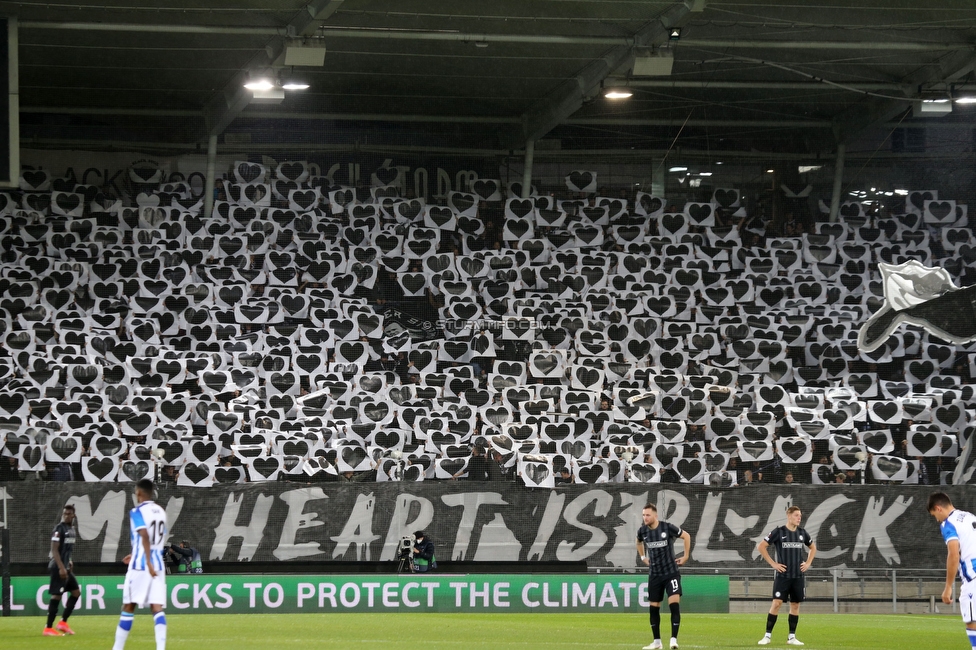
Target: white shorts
(143,589)
(967,602)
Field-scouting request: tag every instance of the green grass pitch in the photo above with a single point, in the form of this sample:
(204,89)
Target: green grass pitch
(501,631)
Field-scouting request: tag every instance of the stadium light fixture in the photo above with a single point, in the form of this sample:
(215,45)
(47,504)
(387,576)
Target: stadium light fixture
(617,93)
(294,84)
(291,82)
(674,34)
(269,88)
(966,100)
(260,84)
(678,169)
(705,174)
(770,171)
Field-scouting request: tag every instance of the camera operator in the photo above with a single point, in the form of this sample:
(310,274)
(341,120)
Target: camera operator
(423,553)
(186,558)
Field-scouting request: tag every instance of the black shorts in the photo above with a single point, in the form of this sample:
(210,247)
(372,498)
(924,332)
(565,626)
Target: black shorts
(658,587)
(789,590)
(59,586)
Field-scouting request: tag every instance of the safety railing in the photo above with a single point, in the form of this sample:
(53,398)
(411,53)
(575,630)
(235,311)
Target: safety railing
(915,590)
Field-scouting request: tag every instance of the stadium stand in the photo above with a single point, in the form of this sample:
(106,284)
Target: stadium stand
(311,332)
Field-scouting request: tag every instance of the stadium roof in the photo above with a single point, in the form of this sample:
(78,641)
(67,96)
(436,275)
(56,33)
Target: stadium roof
(747,74)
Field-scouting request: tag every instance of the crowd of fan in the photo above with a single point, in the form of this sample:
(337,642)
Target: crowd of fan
(755,235)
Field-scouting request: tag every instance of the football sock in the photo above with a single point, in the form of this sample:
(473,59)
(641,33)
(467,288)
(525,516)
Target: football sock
(972,637)
(656,621)
(52,611)
(793,621)
(122,631)
(69,607)
(770,623)
(675,618)
(160,619)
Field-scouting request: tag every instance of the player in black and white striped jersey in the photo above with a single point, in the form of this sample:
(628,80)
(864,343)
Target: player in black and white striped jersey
(655,545)
(788,585)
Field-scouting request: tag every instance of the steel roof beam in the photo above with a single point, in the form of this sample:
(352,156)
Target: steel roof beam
(876,110)
(900,46)
(570,95)
(307,23)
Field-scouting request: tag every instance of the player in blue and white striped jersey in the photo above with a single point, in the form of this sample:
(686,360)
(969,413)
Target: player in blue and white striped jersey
(145,580)
(959,532)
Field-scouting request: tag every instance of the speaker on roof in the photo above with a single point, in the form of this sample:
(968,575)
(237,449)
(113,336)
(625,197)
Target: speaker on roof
(302,55)
(653,64)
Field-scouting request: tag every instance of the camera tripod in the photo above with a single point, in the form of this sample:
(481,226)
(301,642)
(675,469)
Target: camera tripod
(406,563)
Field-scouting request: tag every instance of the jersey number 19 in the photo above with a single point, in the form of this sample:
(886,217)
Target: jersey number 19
(156,531)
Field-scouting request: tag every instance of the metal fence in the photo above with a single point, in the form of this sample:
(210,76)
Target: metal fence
(899,591)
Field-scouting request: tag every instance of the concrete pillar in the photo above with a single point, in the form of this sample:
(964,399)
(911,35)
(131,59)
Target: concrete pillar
(527,172)
(658,177)
(208,188)
(838,181)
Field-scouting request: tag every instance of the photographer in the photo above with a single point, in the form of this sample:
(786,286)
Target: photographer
(186,558)
(423,553)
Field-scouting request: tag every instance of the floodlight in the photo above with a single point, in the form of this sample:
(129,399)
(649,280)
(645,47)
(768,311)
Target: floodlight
(259,83)
(617,93)
(294,84)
